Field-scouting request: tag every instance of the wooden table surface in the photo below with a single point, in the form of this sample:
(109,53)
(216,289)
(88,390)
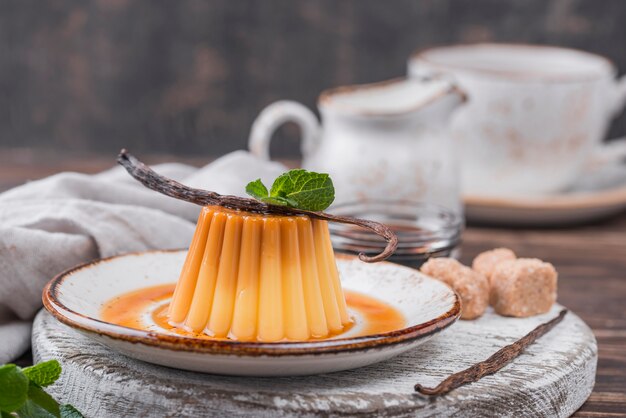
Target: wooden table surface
(590,259)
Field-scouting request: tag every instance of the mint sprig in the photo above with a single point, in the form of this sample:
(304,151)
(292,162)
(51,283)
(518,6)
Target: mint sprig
(68,411)
(298,188)
(44,374)
(13,388)
(21,393)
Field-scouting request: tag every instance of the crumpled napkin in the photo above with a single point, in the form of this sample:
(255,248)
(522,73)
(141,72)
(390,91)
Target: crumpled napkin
(50,225)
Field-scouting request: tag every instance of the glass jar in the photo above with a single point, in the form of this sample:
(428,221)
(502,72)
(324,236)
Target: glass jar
(424,229)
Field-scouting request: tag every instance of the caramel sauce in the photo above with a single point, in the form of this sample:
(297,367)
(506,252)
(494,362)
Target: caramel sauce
(131,309)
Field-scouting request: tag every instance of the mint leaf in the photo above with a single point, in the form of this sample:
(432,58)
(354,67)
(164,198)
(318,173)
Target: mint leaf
(42,399)
(309,190)
(45,373)
(68,411)
(31,409)
(257,189)
(296,188)
(287,182)
(281,201)
(13,388)
(21,394)
(315,192)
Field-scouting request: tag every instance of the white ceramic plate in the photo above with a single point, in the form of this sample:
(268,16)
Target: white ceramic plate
(77,296)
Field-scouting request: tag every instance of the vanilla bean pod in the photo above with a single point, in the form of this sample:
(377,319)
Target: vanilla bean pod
(494,363)
(169,187)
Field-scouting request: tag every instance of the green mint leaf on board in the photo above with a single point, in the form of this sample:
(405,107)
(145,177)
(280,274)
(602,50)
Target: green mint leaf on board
(21,393)
(13,388)
(43,374)
(31,409)
(42,400)
(257,189)
(68,411)
(298,188)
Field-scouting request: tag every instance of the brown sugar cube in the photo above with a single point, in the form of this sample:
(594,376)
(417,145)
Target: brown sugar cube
(523,287)
(485,263)
(470,285)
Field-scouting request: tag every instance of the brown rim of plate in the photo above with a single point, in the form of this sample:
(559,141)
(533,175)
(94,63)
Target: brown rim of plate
(326,96)
(613,197)
(518,76)
(204,346)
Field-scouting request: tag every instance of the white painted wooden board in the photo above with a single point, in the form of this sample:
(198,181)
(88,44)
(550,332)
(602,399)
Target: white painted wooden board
(552,378)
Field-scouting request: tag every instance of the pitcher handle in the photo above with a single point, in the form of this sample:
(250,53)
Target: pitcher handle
(274,116)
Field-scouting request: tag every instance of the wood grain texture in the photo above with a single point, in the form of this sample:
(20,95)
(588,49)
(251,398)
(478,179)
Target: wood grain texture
(552,378)
(190,76)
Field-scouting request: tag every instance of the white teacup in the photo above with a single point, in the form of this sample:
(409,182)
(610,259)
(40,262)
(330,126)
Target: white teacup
(536,114)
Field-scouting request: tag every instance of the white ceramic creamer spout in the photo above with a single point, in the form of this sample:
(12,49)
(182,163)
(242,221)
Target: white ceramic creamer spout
(385,140)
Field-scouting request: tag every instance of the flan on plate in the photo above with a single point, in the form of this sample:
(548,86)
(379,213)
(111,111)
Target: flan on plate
(259,277)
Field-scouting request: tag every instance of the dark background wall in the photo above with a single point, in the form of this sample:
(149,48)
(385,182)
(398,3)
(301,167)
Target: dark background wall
(188,77)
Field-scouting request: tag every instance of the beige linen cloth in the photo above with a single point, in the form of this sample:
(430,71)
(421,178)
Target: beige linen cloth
(50,225)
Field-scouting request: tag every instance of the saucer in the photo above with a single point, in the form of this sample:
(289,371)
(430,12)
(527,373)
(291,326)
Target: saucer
(599,193)
(76,298)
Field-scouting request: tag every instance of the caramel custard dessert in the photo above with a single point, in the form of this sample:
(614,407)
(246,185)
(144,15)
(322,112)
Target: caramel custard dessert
(252,276)
(259,269)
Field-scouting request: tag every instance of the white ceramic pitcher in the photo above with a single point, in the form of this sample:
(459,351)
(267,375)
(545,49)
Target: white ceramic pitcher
(385,140)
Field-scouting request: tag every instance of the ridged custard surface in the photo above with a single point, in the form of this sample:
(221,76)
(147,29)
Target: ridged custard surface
(258,277)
